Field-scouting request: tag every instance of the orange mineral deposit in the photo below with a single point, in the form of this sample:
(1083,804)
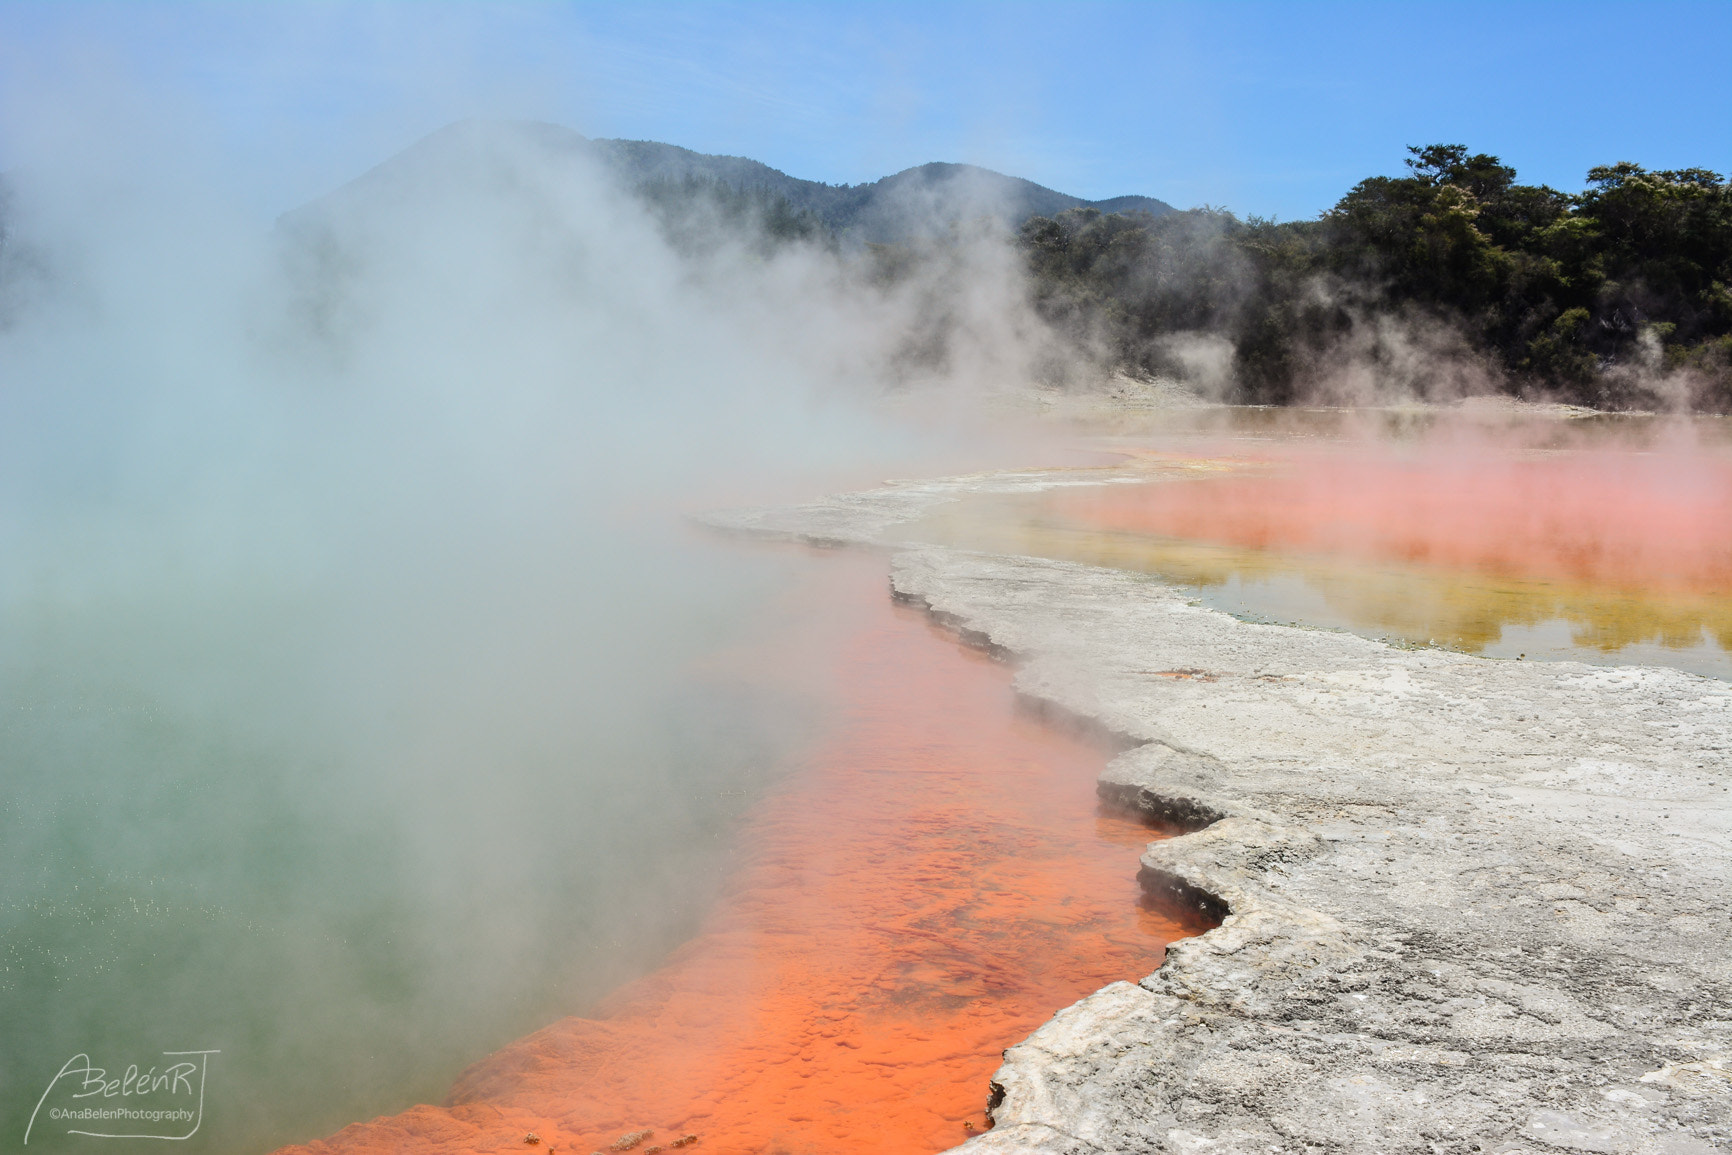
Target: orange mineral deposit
(932,884)
(1654,521)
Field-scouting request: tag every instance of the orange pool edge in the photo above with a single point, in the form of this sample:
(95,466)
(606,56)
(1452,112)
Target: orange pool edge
(932,883)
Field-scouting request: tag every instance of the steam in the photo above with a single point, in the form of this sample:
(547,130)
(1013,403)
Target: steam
(351,634)
(1400,359)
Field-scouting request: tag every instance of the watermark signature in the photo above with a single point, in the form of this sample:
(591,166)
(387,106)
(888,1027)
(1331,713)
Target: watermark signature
(159,1102)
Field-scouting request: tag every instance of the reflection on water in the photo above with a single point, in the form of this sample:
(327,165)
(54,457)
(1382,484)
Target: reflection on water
(1500,615)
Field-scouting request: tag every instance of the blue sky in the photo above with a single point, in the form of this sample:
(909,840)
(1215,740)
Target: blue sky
(1273,109)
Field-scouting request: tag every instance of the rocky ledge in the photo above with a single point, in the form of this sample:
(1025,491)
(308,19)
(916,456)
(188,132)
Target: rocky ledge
(1468,905)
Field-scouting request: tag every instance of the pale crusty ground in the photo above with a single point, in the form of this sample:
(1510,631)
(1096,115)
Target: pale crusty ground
(1471,905)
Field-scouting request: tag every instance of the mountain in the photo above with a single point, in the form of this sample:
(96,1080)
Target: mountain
(917,200)
(879,211)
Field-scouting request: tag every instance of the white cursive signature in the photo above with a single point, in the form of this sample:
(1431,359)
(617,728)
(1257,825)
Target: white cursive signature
(93,1081)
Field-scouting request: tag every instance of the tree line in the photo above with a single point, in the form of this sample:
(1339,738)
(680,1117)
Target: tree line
(1618,297)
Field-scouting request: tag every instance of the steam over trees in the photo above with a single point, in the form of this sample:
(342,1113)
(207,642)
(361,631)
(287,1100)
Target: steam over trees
(1453,277)
(1589,298)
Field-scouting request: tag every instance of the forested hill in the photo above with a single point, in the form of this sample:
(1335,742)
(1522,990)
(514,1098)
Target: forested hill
(1453,278)
(923,199)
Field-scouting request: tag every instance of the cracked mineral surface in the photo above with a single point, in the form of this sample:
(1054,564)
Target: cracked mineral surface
(1471,905)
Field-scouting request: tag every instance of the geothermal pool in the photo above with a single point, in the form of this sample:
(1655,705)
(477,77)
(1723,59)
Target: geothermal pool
(926,888)
(1608,550)
(933,879)
(1508,861)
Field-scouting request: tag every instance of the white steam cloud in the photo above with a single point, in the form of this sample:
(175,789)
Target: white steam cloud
(347,621)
